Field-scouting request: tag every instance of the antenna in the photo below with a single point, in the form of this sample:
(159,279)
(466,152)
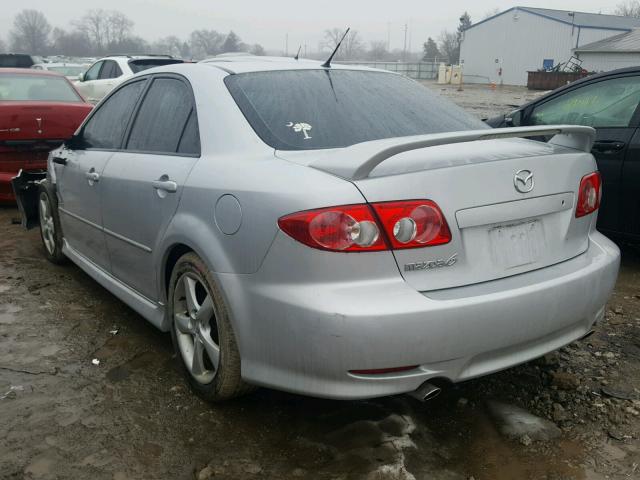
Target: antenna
(327,64)
(297,57)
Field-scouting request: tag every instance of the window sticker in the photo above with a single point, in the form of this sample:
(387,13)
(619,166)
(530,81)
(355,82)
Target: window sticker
(300,127)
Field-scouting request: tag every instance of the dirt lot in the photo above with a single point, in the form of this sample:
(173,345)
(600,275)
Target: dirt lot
(572,415)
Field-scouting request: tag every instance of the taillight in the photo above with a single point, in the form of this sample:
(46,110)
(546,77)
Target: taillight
(355,228)
(413,224)
(349,228)
(589,194)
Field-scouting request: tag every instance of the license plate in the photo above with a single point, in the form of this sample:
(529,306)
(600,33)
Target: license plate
(518,244)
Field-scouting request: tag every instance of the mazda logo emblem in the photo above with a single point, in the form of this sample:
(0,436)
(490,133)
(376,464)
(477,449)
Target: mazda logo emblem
(523,181)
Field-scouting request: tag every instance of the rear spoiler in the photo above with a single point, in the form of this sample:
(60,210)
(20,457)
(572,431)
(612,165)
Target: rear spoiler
(357,162)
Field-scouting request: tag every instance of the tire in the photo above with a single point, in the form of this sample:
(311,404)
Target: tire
(50,229)
(200,327)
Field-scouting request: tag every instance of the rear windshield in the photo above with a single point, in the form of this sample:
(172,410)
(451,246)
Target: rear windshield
(68,70)
(36,87)
(315,109)
(140,65)
(15,61)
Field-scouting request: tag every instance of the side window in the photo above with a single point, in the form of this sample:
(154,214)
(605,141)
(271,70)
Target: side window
(92,73)
(110,70)
(190,141)
(107,125)
(610,103)
(162,117)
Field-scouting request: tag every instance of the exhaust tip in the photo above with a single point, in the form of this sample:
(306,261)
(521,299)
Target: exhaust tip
(425,392)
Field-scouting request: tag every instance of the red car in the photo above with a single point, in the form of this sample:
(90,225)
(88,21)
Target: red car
(38,111)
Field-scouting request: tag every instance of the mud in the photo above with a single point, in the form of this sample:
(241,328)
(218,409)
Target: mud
(131,416)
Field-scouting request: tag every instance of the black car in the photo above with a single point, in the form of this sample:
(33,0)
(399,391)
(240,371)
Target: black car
(609,103)
(16,60)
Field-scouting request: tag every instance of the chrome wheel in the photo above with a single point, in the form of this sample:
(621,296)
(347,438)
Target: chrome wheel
(196,329)
(47,226)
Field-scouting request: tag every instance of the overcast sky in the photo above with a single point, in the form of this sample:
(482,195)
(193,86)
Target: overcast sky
(268,21)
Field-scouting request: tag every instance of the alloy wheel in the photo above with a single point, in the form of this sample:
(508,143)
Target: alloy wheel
(196,327)
(47,225)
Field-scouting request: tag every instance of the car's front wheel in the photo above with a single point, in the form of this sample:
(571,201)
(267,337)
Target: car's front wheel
(202,335)
(50,230)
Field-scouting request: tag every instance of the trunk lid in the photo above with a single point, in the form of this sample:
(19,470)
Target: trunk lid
(40,121)
(497,230)
(29,130)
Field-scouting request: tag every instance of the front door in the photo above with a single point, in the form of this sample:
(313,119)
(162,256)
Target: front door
(79,174)
(610,106)
(143,183)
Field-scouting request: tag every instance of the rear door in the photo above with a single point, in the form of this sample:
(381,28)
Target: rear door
(106,79)
(143,183)
(79,181)
(610,106)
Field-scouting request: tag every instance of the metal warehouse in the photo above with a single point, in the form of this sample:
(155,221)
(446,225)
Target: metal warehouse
(503,48)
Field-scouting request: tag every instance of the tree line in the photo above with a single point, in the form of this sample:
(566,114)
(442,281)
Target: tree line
(101,32)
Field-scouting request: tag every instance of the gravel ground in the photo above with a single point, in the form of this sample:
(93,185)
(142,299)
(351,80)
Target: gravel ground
(571,415)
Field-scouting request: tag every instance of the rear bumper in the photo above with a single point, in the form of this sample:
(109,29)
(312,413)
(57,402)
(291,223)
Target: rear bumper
(6,190)
(305,338)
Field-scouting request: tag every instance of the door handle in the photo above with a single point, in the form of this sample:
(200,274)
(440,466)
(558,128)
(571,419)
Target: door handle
(92,176)
(165,185)
(59,160)
(607,146)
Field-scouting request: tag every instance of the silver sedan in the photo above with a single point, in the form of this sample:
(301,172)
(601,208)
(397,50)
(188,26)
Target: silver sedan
(333,231)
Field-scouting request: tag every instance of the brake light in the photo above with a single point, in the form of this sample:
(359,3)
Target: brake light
(413,224)
(356,228)
(589,194)
(349,228)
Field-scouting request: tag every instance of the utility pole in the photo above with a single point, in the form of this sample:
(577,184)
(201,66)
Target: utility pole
(404,50)
(286,44)
(388,36)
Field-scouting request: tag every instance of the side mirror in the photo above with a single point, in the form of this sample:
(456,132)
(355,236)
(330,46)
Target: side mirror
(81,77)
(76,142)
(514,119)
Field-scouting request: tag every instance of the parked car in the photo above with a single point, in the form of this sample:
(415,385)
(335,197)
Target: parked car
(607,102)
(337,231)
(108,72)
(38,111)
(17,60)
(70,70)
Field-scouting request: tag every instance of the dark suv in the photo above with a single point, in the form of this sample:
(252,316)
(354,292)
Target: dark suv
(609,103)
(16,60)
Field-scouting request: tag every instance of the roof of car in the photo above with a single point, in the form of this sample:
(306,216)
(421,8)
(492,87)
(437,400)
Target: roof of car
(29,71)
(252,63)
(58,64)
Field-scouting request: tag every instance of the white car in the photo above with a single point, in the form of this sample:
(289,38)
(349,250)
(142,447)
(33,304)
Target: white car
(70,70)
(110,71)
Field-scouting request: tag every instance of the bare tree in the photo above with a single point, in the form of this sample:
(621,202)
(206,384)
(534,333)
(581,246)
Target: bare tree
(170,45)
(205,43)
(105,29)
(73,43)
(2,46)
(351,45)
(449,45)
(378,50)
(232,43)
(629,8)
(258,50)
(30,32)
(491,13)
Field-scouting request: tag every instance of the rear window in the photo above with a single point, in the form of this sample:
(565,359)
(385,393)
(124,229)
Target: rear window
(15,61)
(36,88)
(140,65)
(315,109)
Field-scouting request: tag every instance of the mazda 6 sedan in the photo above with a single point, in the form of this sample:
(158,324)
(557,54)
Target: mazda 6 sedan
(334,231)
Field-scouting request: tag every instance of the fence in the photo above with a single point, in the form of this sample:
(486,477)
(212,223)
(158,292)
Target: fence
(415,70)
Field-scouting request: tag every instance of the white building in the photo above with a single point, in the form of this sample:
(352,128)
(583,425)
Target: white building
(619,51)
(503,48)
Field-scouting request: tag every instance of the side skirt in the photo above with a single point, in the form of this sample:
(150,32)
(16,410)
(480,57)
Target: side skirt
(153,312)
